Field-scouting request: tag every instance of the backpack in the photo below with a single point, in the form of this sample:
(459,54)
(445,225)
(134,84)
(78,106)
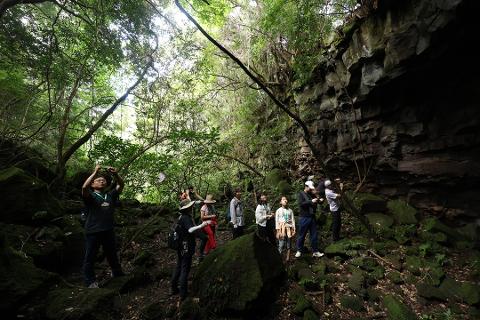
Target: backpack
(174,237)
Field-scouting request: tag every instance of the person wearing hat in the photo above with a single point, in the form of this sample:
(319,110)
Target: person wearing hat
(332,199)
(187,248)
(208,213)
(307,223)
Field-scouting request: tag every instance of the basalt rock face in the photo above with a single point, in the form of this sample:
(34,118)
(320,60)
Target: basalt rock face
(412,72)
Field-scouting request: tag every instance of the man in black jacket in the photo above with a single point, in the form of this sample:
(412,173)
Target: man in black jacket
(308,206)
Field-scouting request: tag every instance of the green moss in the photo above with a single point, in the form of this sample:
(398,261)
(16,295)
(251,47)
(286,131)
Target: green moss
(301,305)
(19,278)
(460,291)
(319,268)
(397,310)
(366,263)
(23,195)
(377,273)
(404,234)
(379,221)
(347,247)
(402,212)
(352,303)
(395,277)
(190,309)
(242,275)
(357,282)
(310,315)
(413,264)
(79,303)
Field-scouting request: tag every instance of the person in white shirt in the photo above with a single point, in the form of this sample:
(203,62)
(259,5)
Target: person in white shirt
(236,214)
(285,226)
(333,202)
(265,220)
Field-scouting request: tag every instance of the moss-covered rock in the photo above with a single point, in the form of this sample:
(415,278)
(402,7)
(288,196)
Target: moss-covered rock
(395,277)
(352,303)
(365,263)
(190,310)
(19,279)
(404,234)
(310,315)
(240,277)
(367,202)
(357,282)
(460,291)
(347,247)
(413,264)
(397,310)
(435,225)
(23,195)
(377,273)
(128,282)
(301,305)
(402,212)
(379,221)
(319,268)
(80,303)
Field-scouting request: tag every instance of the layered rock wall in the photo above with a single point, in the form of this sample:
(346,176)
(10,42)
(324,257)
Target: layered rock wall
(412,73)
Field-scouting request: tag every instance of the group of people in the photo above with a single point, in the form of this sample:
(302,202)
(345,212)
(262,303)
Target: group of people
(271,226)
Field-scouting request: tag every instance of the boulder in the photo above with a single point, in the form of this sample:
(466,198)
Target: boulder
(301,305)
(402,212)
(379,221)
(367,202)
(23,195)
(347,247)
(80,303)
(352,302)
(397,310)
(241,277)
(20,280)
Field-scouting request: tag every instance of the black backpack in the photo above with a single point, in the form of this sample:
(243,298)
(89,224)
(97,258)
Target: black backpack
(174,238)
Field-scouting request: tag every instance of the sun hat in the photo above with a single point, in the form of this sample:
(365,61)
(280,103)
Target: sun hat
(185,204)
(209,199)
(327,183)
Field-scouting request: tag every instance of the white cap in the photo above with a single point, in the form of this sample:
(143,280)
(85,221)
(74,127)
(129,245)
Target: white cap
(309,184)
(327,183)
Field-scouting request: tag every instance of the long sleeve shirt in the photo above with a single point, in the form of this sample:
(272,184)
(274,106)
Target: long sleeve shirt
(261,214)
(236,212)
(307,207)
(332,199)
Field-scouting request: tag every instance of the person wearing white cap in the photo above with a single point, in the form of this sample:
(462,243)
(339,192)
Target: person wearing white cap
(187,248)
(332,199)
(307,222)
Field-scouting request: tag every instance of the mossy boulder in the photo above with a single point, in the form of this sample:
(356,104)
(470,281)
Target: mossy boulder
(405,233)
(23,195)
(397,310)
(310,315)
(347,247)
(365,263)
(356,282)
(352,302)
(80,303)
(190,309)
(395,277)
(402,212)
(242,276)
(467,292)
(19,279)
(413,264)
(435,225)
(367,202)
(301,305)
(379,222)
(130,281)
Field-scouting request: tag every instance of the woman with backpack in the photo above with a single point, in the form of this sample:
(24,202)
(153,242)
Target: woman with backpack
(186,249)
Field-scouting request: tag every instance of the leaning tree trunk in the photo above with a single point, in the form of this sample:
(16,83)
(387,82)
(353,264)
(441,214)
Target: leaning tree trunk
(346,201)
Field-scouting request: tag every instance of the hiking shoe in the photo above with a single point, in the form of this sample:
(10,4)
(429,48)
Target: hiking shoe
(93,285)
(298,254)
(317,254)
